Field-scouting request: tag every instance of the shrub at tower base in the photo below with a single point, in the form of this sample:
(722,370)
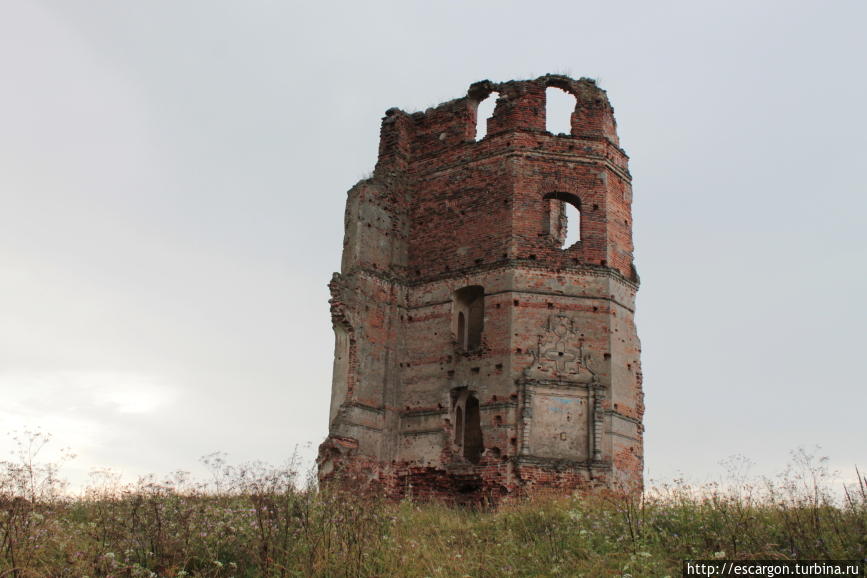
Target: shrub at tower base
(255,521)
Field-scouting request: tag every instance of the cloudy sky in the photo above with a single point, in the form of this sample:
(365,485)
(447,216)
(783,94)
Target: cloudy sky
(173,174)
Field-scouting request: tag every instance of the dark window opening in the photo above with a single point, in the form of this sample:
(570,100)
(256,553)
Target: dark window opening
(473,431)
(468,425)
(469,307)
(563,219)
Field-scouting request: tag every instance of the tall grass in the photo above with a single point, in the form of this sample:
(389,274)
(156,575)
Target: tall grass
(256,520)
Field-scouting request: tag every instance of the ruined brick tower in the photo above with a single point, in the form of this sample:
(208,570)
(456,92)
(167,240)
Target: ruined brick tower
(476,355)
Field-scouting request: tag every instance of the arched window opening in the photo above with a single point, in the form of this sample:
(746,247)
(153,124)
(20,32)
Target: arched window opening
(469,310)
(573,225)
(563,219)
(476,323)
(473,430)
(484,111)
(559,106)
(468,425)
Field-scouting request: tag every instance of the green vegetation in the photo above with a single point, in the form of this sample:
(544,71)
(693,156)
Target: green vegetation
(253,520)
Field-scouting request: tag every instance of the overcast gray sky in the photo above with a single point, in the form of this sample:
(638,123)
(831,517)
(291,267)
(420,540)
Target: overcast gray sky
(173,175)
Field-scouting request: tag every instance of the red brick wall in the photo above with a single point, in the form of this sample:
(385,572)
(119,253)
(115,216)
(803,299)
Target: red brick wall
(443,212)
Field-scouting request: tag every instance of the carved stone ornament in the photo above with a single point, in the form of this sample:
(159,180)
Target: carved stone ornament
(559,353)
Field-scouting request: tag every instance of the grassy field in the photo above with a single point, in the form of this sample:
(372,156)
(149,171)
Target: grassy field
(253,520)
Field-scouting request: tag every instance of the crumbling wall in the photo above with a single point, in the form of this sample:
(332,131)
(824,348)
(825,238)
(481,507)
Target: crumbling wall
(553,383)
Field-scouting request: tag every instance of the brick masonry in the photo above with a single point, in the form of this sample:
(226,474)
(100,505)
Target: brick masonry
(476,356)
